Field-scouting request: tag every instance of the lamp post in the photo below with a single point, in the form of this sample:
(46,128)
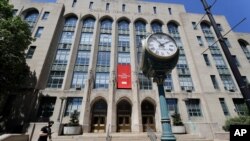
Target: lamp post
(159,57)
(167,134)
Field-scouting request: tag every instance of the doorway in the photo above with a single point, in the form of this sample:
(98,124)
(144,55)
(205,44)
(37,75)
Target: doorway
(99,116)
(123,116)
(148,115)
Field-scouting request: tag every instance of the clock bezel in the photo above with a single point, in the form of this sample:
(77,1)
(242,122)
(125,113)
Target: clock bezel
(158,56)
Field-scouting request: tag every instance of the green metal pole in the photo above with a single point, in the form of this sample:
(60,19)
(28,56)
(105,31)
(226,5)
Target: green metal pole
(167,134)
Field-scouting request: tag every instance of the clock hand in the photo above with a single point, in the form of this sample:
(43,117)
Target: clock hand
(166,42)
(157,40)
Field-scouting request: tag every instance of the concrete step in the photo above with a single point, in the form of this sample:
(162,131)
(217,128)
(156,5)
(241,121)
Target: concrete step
(125,137)
(190,137)
(103,136)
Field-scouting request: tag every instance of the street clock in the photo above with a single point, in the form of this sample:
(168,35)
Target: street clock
(159,55)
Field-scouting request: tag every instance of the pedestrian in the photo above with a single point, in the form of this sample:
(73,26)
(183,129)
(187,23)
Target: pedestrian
(46,132)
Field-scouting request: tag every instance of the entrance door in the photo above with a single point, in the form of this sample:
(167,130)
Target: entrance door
(123,116)
(98,125)
(148,122)
(148,115)
(98,118)
(124,123)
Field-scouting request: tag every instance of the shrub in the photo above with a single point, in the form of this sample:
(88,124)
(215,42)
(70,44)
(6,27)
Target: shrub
(177,119)
(241,120)
(73,119)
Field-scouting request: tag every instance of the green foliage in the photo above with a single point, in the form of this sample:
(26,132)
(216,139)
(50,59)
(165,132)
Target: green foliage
(241,120)
(5,9)
(15,37)
(177,119)
(74,119)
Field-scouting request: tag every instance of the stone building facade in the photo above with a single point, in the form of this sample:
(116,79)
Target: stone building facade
(80,46)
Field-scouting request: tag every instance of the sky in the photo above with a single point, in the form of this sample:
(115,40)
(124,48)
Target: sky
(233,10)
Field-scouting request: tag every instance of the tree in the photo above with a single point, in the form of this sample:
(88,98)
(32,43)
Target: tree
(15,37)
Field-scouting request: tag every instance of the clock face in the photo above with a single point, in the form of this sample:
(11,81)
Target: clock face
(161,45)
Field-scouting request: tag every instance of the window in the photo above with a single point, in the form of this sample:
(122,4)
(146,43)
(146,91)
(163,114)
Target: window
(219,27)
(186,82)
(70,22)
(45,15)
(91,5)
(224,107)
(194,25)
(154,8)
(123,25)
(79,79)
(172,105)
(39,32)
(156,27)
(123,41)
(168,83)
(67,37)
(107,6)
(206,59)
(144,82)
(228,82)
(123,58)
(227,42)
(89,23)
(244,46)
(219,60)
(30,52)
(62,56)
(105,40)
(214,81)
(46,108)
(169,11)
(240,106)
(55,79)
(31,19)
(200,41)
(74,3)
(103,58)
(73,103)
(123,8)
(106,24)
(86,38)
(236,60)
(139,9)
(102,80)
(193,107)
(83,58)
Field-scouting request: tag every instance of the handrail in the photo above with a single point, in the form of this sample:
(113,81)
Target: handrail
(108,137)
(151,134)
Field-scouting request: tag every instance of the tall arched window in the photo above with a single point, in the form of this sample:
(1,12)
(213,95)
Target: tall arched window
(218,58)
(140,28)
(31,18)
(244,46)
(123,37)
(83,54)
(184,74)
(62,54)
(103,55)
(156,27)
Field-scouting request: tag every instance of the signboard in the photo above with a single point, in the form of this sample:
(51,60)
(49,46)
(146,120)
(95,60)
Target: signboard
(123,76)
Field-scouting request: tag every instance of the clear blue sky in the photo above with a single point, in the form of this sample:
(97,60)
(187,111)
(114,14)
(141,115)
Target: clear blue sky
(234,10)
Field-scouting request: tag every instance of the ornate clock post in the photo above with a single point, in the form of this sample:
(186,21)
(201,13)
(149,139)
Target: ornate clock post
(160,56)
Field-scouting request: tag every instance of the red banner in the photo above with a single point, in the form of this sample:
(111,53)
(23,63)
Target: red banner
(124,76)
